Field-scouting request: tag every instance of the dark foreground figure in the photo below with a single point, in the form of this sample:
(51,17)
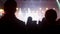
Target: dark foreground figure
(49,22)
(9,22)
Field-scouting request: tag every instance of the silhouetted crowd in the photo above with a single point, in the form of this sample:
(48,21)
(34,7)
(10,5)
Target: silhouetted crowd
(10,24)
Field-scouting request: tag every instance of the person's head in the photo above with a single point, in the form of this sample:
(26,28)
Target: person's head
(50,15)
(29,18)
(10,6)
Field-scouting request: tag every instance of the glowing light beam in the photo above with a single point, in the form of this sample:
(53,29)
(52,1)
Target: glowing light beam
(58,3)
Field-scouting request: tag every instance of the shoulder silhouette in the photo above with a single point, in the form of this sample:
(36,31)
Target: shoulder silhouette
(49,22)
(9,21)
(51,15)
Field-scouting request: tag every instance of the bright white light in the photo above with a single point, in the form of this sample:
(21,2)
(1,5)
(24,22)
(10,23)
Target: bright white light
(58,3)
(38,15)
(17,9)
(1,11)
(40,8)
(46,8)
(54,8)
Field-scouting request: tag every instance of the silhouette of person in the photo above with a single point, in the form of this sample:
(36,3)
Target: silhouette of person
(9,22)
(49,21)
(29,20)
(39,25)
(34,26)
(58,22)
(29,24)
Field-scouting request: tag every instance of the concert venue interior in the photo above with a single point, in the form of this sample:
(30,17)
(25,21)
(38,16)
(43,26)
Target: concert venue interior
(34,8)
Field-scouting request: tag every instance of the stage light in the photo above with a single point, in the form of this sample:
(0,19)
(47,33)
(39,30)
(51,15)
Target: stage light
(40,8)
(43,12)
(17,9)
(38,15)
(54,9)
(46,8)
(29,11)
(1,11)
(20,10)
(58,3)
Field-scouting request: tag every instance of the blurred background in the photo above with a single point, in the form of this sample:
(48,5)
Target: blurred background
(34,8)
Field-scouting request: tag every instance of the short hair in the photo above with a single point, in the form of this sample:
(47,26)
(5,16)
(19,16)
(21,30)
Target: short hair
(51,14)
(10,5)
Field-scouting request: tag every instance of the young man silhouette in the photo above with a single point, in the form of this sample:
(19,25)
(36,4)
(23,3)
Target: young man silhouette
(9,22)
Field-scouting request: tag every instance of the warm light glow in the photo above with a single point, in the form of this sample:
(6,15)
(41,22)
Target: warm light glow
(53,8)
(46,8)
(1,11)
(17,9)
